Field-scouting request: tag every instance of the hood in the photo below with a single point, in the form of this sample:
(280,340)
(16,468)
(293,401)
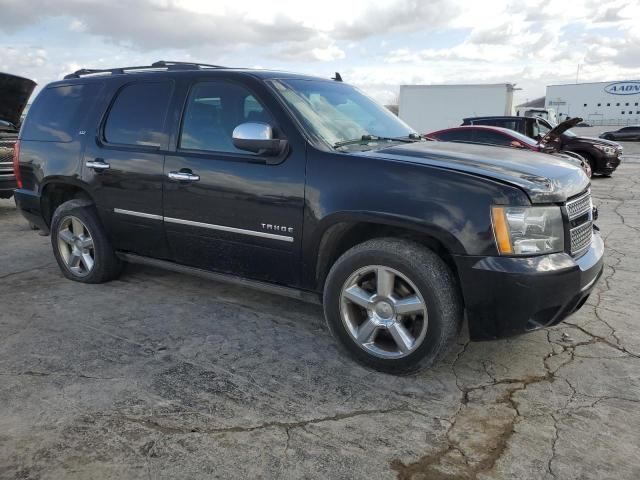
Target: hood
(544,178)
(558,130)
(596,141)
(14,94)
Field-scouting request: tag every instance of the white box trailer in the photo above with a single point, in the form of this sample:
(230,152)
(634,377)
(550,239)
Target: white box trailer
(427,108)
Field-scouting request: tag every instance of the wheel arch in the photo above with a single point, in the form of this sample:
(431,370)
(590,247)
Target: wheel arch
(55,192)
(344,233)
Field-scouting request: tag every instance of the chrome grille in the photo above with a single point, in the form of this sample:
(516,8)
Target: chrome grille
(580,212)
(581,237)
(6,152)
(580,205)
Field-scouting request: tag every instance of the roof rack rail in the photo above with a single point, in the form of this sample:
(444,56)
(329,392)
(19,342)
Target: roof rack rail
(161,64)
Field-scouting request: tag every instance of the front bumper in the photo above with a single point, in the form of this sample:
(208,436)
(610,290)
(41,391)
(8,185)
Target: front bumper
(506,296)
(609,164)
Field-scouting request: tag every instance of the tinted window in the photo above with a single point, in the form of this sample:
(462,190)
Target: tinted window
(510,124)
(57,113)
(487,137)
(138,114)
(455,136)
(214,110)
(252,108)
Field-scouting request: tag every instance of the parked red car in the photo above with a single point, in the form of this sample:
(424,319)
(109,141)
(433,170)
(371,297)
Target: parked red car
(503,137)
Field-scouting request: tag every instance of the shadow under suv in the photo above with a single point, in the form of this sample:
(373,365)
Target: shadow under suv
(306,187)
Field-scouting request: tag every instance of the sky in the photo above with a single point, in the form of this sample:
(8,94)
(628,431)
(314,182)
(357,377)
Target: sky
(374,44)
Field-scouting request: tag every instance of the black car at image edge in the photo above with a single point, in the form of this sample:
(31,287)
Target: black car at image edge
(603,155)
(14,94)
(306,187)
(629,134)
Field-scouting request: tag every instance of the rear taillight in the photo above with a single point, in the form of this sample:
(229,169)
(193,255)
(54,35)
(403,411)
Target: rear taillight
(16,163)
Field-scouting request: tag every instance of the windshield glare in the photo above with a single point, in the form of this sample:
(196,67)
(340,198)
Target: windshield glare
(336,112)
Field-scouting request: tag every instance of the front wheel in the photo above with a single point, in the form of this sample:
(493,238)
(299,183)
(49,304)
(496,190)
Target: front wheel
(80,244)
(393,305)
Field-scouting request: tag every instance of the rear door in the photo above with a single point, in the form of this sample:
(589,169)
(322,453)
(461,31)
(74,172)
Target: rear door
(241,213)
(124,165)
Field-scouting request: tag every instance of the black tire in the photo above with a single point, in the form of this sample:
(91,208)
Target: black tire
(106,265)
(427,272)
(6,195)
(589,158)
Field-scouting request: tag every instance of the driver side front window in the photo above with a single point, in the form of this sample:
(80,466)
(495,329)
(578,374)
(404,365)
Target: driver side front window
(213,111)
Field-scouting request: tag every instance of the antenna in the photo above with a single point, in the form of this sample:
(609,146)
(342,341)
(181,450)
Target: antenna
(337,78)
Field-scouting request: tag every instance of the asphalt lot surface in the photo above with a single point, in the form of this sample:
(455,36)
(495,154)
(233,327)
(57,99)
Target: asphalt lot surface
(161,375)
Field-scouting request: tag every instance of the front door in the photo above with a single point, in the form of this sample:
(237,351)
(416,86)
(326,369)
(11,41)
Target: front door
(124,166)
(226,209)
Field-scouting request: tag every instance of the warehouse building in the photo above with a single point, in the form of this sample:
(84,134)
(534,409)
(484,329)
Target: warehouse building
(600,103)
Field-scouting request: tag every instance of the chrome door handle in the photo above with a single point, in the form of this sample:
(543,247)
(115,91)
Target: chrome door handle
(183,176)
(97,165)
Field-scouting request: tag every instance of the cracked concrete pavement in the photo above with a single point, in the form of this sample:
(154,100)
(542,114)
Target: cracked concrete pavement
(160,375)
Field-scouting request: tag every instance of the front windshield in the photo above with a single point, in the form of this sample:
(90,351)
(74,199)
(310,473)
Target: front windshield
(337,113)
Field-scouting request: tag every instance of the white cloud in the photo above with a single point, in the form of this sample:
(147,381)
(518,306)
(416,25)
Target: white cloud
(329,53)
(376,44)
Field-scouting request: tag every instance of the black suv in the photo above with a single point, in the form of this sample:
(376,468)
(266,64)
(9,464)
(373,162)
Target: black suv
(306,187)
(14,94)
(603,155)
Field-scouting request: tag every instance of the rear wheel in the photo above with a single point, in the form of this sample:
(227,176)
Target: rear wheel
(393,305)
(80,244)
(5,195)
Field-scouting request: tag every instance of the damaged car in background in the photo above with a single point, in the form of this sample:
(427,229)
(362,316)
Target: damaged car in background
(603,155)
(14,94)
(503,137)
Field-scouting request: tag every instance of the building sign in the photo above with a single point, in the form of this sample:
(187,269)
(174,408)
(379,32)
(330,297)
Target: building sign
(623,88)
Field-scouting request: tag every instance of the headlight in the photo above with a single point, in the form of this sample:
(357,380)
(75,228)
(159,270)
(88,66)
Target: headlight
(528,230)
(606,149)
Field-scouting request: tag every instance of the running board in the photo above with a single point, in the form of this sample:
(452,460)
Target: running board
(222,277)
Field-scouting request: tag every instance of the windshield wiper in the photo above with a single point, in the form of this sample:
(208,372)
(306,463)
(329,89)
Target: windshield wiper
(412,137)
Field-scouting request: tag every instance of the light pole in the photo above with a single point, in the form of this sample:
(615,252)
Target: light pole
(578,73)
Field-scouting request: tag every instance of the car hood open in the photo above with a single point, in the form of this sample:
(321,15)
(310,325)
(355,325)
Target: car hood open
(14,95)
(544,178)
(559,129)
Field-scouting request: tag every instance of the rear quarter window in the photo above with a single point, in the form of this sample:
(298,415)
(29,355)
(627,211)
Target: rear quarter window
(58,112)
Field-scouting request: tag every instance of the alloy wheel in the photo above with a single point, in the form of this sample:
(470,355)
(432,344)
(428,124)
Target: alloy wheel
(384,312)
(75,245)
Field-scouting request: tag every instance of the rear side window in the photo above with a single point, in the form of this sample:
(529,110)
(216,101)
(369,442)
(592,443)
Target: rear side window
(487,137)
(138,114)
(57,114)
(455,136)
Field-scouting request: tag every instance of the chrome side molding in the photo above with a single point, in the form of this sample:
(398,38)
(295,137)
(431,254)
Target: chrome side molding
(211,226)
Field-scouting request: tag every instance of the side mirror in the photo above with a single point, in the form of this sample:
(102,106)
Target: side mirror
(258,138)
